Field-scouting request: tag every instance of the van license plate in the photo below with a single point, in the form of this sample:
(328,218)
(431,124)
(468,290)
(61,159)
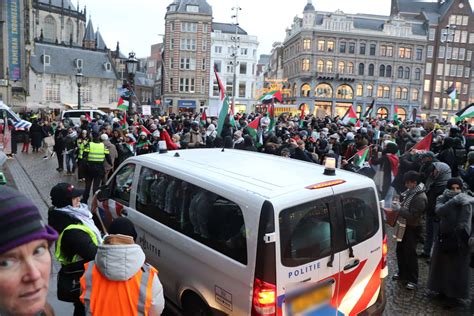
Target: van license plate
(305,301)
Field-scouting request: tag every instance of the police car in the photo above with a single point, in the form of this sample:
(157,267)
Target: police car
(241,233)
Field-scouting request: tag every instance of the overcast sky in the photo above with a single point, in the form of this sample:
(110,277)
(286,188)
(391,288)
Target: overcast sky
(138,24)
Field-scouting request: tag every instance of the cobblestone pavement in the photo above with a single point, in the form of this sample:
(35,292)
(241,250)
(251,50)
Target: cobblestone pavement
(35,177)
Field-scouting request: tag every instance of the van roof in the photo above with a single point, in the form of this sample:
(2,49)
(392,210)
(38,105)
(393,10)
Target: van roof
(262,174)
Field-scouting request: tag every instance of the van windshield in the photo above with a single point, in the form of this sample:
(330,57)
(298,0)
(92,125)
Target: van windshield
(305,232)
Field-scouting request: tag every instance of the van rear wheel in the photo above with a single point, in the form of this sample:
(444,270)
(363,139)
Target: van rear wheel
(193,305)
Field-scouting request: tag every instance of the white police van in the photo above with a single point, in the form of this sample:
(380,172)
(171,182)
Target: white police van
(6,112)
(241,233)
(75,115)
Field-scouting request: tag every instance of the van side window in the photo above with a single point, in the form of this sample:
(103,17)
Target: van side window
(122,184)
(305,232)
(76,114)
(197,213)
(360,215)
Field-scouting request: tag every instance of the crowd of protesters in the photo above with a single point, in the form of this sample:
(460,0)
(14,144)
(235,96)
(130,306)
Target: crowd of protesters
(431,188)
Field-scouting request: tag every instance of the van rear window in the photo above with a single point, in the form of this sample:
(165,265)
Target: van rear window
(305,232)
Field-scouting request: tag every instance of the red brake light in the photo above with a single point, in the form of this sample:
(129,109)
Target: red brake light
(384,252)
(264,298)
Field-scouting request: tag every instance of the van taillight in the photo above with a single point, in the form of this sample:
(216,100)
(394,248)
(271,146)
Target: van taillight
(384,252)
(264,299)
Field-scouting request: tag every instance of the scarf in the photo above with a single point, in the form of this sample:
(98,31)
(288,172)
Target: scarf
(83,214)
(409,194)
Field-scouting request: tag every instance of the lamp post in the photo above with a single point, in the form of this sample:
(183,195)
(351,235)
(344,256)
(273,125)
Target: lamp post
(448,29)
(236,39)
(132,64)
(79,78)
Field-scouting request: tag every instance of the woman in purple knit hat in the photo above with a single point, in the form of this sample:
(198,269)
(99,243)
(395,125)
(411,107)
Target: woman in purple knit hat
(25,260)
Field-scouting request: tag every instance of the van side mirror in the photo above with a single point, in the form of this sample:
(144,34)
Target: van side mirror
(103,193)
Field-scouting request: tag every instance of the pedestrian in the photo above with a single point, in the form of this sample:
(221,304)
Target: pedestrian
(25,260)
(48,140)
(388,162)
(70,146)
(143,144)
(120,275)
(413,204)
(95,153)
(82,141)
(36,135)
(449,271)
(109,168)
(59,137)
(468,174)
(77,242)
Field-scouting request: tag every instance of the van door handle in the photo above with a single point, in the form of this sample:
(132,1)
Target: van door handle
(124,213)
(352,265)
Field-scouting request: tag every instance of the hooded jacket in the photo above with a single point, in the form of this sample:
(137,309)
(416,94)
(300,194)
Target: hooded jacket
(119,262)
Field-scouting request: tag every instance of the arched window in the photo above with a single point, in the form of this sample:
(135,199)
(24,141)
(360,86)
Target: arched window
(350,68)
(320,66)
(370,90)
(371,69)
(382,71)
(382,113)
(402,114)
(306,65)
(49,32)
(407,73)
(398,93)
(345,91)
(386,92)
(361,69)
(380,92)
(69,30)
(323,90)
(388,73)
(360,90)
(329,66)
(341,67)
(405,94)
(305,90)
(415,95)
(400,72)
(418,74)
(294,90)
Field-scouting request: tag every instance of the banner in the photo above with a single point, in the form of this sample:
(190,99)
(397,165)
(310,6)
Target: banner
(14,39)
(146,110)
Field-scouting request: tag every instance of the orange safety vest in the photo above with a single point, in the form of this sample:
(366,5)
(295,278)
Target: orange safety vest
(103,297)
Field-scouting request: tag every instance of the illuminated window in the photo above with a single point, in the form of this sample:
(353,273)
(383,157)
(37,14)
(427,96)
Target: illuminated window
(329,66)
(306,65)
(341,67)
(350,68)
(360,90)
(305,90)
(415,95)
(323,90)
(307,44)
(370,90)
(345,92)
(382,113)
(320,66)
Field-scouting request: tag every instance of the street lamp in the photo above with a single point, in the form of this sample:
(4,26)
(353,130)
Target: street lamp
(132,64)
(79,79)
(447,40)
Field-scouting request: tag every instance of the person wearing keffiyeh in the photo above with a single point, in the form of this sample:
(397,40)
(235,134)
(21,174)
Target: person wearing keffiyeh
(408,225)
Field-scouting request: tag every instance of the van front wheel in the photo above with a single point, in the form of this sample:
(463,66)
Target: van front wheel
(194,306)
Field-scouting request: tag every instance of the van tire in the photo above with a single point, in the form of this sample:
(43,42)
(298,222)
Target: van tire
(193,305)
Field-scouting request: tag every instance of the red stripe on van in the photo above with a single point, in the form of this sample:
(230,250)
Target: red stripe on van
(118,209)
(369,291)
(346,282)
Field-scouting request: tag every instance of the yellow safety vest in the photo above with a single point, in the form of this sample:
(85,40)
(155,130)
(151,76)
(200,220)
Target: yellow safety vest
(60,255)
(97,152)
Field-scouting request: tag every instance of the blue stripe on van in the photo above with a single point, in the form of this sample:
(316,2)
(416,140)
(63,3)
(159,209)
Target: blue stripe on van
(324,310)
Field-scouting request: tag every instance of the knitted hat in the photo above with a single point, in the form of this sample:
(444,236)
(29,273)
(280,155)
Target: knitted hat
(21,221)
(63,193)
(453,181)
(104,137)
(123,226)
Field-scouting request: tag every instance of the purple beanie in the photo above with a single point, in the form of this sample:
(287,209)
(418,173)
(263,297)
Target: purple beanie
(20,221)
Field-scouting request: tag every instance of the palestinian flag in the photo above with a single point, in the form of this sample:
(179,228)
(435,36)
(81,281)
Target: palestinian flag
(452,93)
(395,115)
(88,117)
(350,117)
(369,110)
(232,120)
(224,111)
(358,124)
(122,104)
(302,115)
(123,121)
(268,97)
(145,130)
(361,156)
(271,114)
(253,126)
(203,118)
(465,113)
(425,143)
